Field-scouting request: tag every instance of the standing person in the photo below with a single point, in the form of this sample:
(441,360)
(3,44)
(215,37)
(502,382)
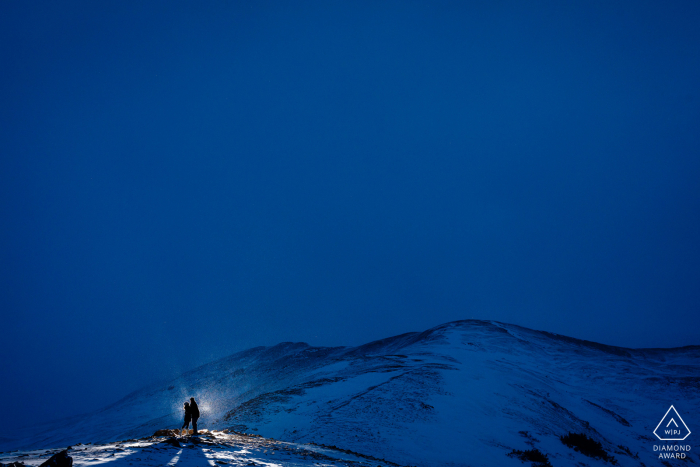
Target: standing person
(194,410)
(188,416)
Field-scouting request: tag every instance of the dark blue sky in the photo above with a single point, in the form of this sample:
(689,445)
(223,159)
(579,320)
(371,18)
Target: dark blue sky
(179,181)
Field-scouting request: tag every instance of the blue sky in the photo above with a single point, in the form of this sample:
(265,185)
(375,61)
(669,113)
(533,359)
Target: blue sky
(180,181)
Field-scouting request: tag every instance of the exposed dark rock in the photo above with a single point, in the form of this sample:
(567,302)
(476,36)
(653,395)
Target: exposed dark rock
(535,456)
(587,446)
(62,459)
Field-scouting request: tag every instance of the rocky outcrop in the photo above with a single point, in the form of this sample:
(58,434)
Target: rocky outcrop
(62,459)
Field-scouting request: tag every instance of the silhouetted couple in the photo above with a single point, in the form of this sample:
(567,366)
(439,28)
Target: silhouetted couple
(191,413)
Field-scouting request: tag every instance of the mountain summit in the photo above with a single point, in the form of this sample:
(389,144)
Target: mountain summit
(463,393)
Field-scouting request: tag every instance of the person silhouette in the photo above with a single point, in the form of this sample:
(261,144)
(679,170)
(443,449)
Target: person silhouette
(194,410)
(188,416)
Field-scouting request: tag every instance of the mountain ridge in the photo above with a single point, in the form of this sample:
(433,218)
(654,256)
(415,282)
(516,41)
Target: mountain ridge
(414,397)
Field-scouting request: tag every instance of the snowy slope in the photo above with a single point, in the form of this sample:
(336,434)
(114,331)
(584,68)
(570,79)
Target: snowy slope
(463,393)
(207,449)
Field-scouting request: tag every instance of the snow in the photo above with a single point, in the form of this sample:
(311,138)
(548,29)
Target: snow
(208,449)
(463,393)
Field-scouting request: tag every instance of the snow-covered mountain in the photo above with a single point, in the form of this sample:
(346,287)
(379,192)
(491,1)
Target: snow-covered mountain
(463,393)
